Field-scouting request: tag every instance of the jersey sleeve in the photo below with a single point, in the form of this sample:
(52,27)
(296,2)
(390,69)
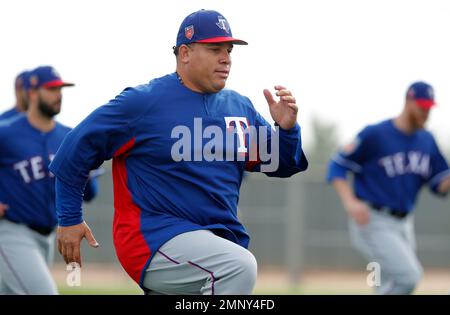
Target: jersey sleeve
(92,185)
(91,190)
(351,157)
(68,200)
(283,156)
(439,170)
(2,149)
(97,138)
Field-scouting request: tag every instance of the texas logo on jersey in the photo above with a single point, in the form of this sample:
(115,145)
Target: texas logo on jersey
(252,144)
(213,149)
(240,125)
(32,169)
(401,163)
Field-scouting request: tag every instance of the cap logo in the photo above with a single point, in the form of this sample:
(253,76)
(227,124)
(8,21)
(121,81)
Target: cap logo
(430,93)
(189,31)
(34,80)
(223,24)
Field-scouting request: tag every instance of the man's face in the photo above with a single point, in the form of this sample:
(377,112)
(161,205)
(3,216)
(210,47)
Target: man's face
(418,115)
(208,66)
(50,101)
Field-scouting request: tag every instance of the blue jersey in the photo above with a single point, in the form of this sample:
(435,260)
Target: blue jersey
(390,166)
(9,113)
(26,185)
(157,196)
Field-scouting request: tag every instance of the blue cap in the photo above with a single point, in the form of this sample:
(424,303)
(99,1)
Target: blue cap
(422,93)
(206,26)
(23,80)
(46,77)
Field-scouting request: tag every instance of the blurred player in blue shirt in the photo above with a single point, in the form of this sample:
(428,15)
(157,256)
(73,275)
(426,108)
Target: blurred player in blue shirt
(21,86)
(391,161)
(28,143)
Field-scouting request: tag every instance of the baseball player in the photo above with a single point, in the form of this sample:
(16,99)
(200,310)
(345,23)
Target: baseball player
(28,142)
(176,228)
(391,161)
(21,86)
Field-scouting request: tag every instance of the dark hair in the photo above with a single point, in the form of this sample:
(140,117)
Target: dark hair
(176,49)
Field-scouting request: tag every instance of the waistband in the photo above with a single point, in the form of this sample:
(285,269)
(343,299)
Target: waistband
(45,231)
(400,214)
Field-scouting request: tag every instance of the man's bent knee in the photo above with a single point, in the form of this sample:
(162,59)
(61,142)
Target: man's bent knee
(245,269)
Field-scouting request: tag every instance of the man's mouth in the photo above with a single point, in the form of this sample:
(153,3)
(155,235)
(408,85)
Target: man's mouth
(223,73)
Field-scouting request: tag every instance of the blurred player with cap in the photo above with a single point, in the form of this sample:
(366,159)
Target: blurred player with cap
(391,161)
(21,87)
(28,143)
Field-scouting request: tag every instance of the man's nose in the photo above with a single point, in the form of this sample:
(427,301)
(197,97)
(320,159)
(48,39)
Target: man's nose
(225,58)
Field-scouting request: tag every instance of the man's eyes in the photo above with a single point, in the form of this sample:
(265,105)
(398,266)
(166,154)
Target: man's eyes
(218,49)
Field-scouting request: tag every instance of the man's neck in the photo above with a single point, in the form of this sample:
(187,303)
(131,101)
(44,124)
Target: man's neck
(19,108)
(40,122)
(184,79)
(404,124)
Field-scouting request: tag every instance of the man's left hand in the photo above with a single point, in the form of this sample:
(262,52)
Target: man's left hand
(283,112)
(444,186)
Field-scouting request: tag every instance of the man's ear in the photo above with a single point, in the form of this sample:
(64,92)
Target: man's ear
(184,54)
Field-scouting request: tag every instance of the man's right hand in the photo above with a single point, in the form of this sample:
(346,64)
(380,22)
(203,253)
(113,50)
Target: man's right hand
(3,209)
(69,241)
(358,211)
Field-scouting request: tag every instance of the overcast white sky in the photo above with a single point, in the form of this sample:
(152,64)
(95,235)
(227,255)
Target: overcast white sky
(347,62)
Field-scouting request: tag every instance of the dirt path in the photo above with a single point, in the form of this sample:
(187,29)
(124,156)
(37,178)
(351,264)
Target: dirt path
(270,280)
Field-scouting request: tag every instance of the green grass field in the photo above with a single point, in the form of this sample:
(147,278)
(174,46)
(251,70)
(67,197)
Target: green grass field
(104,280)
(137,291)
(64,290)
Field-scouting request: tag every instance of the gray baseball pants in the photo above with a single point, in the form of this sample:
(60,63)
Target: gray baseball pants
(200,262)
(390,242)
(25,257)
